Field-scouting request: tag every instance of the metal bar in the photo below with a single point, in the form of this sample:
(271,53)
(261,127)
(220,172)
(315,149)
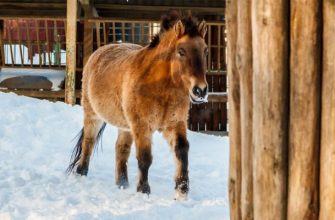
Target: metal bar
(30,49)
(20,42)
(10,44)
(48,43)
(38,42)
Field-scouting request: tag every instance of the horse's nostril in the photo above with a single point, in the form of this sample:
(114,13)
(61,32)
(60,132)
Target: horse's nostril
(205,91)
(197,91)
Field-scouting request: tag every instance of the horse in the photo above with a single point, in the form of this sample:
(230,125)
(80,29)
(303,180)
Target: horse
(141,90)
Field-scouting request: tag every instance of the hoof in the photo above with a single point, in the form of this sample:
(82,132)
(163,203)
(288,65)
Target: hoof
(143,188)
(122,183)
(180,196)
(82,170)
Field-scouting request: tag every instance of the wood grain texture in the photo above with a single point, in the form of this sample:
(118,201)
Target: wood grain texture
(305,92)
(327,159)
(244,67)
(234,115)
(270,107)
(71,37)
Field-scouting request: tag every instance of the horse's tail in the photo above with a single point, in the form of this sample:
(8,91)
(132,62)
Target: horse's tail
(77,150)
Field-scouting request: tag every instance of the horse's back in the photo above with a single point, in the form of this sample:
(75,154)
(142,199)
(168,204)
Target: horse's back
(103,77)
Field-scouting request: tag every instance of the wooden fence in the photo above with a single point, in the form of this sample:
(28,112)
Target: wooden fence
(281,70)
(22,39)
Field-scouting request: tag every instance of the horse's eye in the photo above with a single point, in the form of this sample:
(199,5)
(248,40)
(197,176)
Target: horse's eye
(181,52)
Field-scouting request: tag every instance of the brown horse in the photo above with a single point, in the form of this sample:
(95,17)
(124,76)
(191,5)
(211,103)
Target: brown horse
(141,90)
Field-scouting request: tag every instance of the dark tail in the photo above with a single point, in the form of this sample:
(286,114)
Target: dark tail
(76,153)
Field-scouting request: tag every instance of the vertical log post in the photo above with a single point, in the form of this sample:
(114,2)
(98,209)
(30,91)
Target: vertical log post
(244,67)
(305,92)
(71,39)
(88,29)
(234,114)
(327,159)
(270,107)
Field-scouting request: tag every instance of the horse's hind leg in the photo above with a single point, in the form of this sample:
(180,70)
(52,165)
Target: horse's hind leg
(92,126)
(122,151)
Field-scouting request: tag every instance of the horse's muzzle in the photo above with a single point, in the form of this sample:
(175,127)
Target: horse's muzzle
(198,95)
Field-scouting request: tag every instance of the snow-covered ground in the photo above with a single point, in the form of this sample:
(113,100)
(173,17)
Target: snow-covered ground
(35,147)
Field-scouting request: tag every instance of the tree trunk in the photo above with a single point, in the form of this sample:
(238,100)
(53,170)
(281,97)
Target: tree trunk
(234,116)
(244,67)
(270,107)
(305,83)
(327,159)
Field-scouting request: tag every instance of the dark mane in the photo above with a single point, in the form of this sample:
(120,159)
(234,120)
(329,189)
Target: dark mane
(168,21)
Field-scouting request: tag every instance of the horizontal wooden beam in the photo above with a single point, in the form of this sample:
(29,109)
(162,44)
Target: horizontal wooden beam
(212,97)
(218,97)
(211,10)
(46,94)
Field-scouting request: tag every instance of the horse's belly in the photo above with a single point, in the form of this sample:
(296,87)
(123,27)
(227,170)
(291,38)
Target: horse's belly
(108,108)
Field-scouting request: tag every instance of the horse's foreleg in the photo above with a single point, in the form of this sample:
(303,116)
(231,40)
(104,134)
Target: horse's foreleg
(177,140)
(144,158)
(122,151)
(91,130)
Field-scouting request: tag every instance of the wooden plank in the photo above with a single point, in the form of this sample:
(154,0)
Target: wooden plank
(47,94)
(71,38)
(327,159)
(30,54)
(209,44)
(48,42)
(88,41)
(305,81)
(123,33)
(20,42)
(244,67)
(114,33)
(104,31)
(37,30)
(97,32)
(2,52)
(270,107)
(10,44)
(234,115)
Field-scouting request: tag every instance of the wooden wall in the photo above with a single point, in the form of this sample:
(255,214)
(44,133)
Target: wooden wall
(281,70)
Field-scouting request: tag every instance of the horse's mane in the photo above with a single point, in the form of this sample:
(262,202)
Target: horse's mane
(168,21)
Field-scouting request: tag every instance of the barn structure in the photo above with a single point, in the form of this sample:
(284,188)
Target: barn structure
(60,35)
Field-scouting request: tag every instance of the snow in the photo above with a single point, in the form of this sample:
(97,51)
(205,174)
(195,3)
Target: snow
(36,140)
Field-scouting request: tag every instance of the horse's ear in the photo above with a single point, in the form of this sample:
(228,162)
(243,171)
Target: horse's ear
(179,28)
(202,28)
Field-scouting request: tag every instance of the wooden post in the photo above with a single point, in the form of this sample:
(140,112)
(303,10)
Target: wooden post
(88,29)
(244,67)
(270,107)
(2,52)
(234,115)
(327,159)
(71,39)
(305,92)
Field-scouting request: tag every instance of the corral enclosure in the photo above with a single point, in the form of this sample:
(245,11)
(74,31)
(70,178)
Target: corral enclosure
(36,39)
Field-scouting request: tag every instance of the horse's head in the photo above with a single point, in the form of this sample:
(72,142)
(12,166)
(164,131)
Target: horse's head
(190,58)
